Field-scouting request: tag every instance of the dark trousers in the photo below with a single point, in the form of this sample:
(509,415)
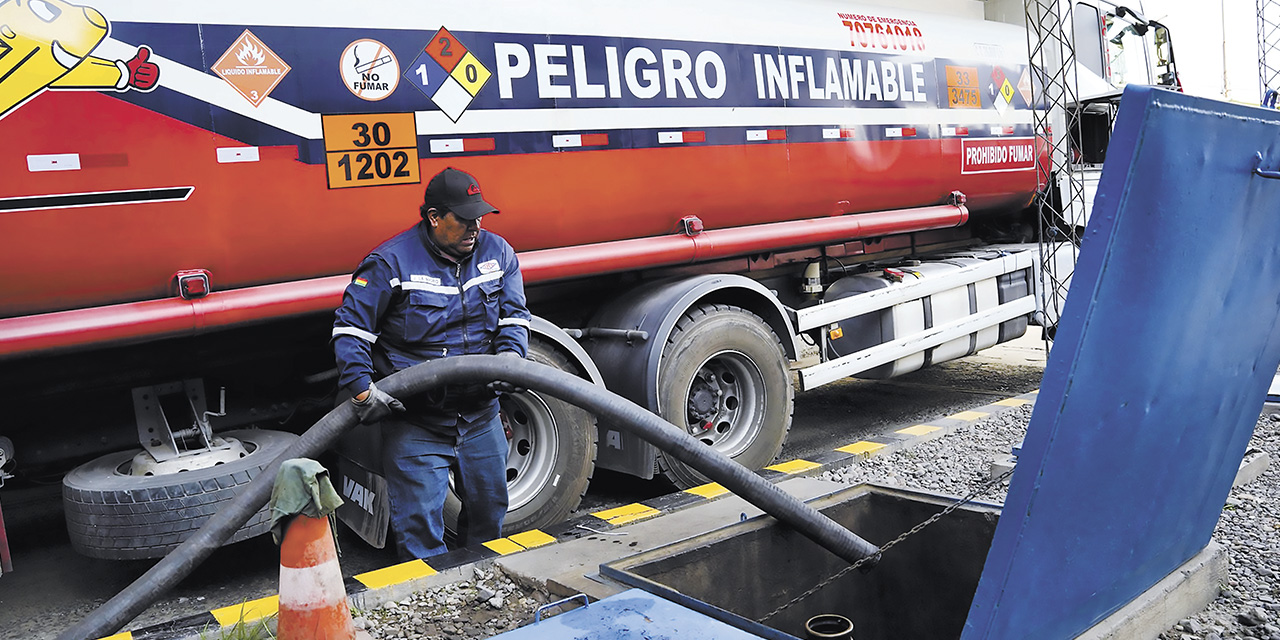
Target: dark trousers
(416,463)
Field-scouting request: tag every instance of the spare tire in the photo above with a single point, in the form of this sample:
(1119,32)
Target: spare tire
(117,516)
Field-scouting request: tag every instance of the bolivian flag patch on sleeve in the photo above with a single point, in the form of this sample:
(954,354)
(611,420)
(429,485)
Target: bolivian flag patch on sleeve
(361,281)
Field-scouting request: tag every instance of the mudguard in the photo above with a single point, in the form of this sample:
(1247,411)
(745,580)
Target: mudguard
(630,367)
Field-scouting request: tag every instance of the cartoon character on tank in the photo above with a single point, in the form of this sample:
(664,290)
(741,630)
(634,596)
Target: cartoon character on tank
(46,44)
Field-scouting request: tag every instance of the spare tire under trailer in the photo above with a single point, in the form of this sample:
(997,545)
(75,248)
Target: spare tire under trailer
(117,516)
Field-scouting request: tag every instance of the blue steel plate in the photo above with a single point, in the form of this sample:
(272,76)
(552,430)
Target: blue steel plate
(1166,348)
(631,615)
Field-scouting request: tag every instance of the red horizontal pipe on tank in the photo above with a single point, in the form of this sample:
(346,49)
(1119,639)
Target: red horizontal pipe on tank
(151,319)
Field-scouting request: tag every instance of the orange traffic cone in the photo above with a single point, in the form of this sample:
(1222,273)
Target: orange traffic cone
(313,602)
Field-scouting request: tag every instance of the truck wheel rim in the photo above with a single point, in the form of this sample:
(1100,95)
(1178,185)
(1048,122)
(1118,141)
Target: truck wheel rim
(532,443)
(228,450)
(725,402)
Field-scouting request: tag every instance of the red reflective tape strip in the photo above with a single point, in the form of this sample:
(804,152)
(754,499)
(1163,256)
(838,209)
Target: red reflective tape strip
(595,139)
(695,136)
(96,160)
(908,131)
(777,134)
(847,133)
(478,144)
(962,131)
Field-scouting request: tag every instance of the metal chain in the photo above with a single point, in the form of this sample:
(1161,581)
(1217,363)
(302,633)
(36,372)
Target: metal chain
(875,557)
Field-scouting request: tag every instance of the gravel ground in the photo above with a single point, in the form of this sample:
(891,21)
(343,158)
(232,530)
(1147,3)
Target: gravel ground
(481,607)
(955,464)
(1247,607)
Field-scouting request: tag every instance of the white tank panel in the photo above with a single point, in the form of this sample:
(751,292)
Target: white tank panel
(908,319)
(988,296)
(947,306)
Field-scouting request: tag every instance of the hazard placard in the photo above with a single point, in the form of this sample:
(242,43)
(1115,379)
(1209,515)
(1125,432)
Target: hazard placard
(448,73)
(370,149)
(962,88)
(251,67)
(1006,90)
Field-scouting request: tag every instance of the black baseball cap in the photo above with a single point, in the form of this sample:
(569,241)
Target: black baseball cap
(456,191)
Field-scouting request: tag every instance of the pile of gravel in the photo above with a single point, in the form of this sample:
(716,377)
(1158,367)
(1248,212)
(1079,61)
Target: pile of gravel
(1248,605)
(954,464)
(483,606)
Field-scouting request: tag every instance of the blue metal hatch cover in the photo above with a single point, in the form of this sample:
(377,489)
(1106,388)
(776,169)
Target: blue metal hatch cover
(1167,345)
(631,615)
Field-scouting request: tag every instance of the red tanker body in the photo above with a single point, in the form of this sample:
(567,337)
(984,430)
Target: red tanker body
(127,188)
(187,188)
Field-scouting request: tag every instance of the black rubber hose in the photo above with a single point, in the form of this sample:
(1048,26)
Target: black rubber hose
(166,573)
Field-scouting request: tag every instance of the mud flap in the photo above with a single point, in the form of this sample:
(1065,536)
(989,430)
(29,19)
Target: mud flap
(365,507)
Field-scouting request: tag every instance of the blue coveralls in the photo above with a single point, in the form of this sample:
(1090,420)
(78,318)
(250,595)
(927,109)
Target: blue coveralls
(408,303)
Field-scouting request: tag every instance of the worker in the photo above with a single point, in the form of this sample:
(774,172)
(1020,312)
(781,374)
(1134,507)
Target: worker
(443,287)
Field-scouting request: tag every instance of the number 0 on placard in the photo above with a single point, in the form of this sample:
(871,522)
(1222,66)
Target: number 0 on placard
(365,150)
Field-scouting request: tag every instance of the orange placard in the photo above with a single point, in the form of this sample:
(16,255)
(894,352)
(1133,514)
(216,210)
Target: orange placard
(963,98)
(365,150)
(962,88)
(966,77)
(362,131)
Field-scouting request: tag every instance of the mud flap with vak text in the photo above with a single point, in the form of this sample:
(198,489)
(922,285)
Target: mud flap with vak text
(365,507)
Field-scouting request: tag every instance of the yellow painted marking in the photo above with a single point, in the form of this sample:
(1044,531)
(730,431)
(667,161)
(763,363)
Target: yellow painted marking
(862,448)
(625,511)
(247,611)
(969,415)
(794,466)
(503,546)
(621,520)
(709,490)
(532,538)
(1013,402)
(123,635)
(919,430)
(395,574)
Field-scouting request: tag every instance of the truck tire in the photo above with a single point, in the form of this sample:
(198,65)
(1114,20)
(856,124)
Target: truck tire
(551,455)
(724,379)
(116,516)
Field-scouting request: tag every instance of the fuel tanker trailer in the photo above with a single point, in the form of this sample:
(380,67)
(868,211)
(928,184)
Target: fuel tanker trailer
(713,203)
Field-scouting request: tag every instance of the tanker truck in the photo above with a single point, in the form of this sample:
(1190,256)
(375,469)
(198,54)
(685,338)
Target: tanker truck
(714,204)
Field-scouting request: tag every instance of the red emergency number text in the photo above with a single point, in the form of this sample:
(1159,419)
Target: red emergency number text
(875,35)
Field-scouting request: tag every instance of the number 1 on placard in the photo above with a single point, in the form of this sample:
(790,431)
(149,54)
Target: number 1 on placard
(422,73)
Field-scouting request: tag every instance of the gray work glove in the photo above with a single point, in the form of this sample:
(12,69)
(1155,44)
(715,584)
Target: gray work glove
(502,386)
(376,406)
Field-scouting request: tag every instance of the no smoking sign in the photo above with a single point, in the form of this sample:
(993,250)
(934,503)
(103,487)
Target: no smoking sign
(369,69)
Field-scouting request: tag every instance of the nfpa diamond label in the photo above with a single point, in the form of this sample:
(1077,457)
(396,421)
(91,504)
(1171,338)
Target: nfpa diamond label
(251,67)
(448,73)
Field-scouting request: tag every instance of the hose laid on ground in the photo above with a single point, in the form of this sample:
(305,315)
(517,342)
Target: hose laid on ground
(166,573)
